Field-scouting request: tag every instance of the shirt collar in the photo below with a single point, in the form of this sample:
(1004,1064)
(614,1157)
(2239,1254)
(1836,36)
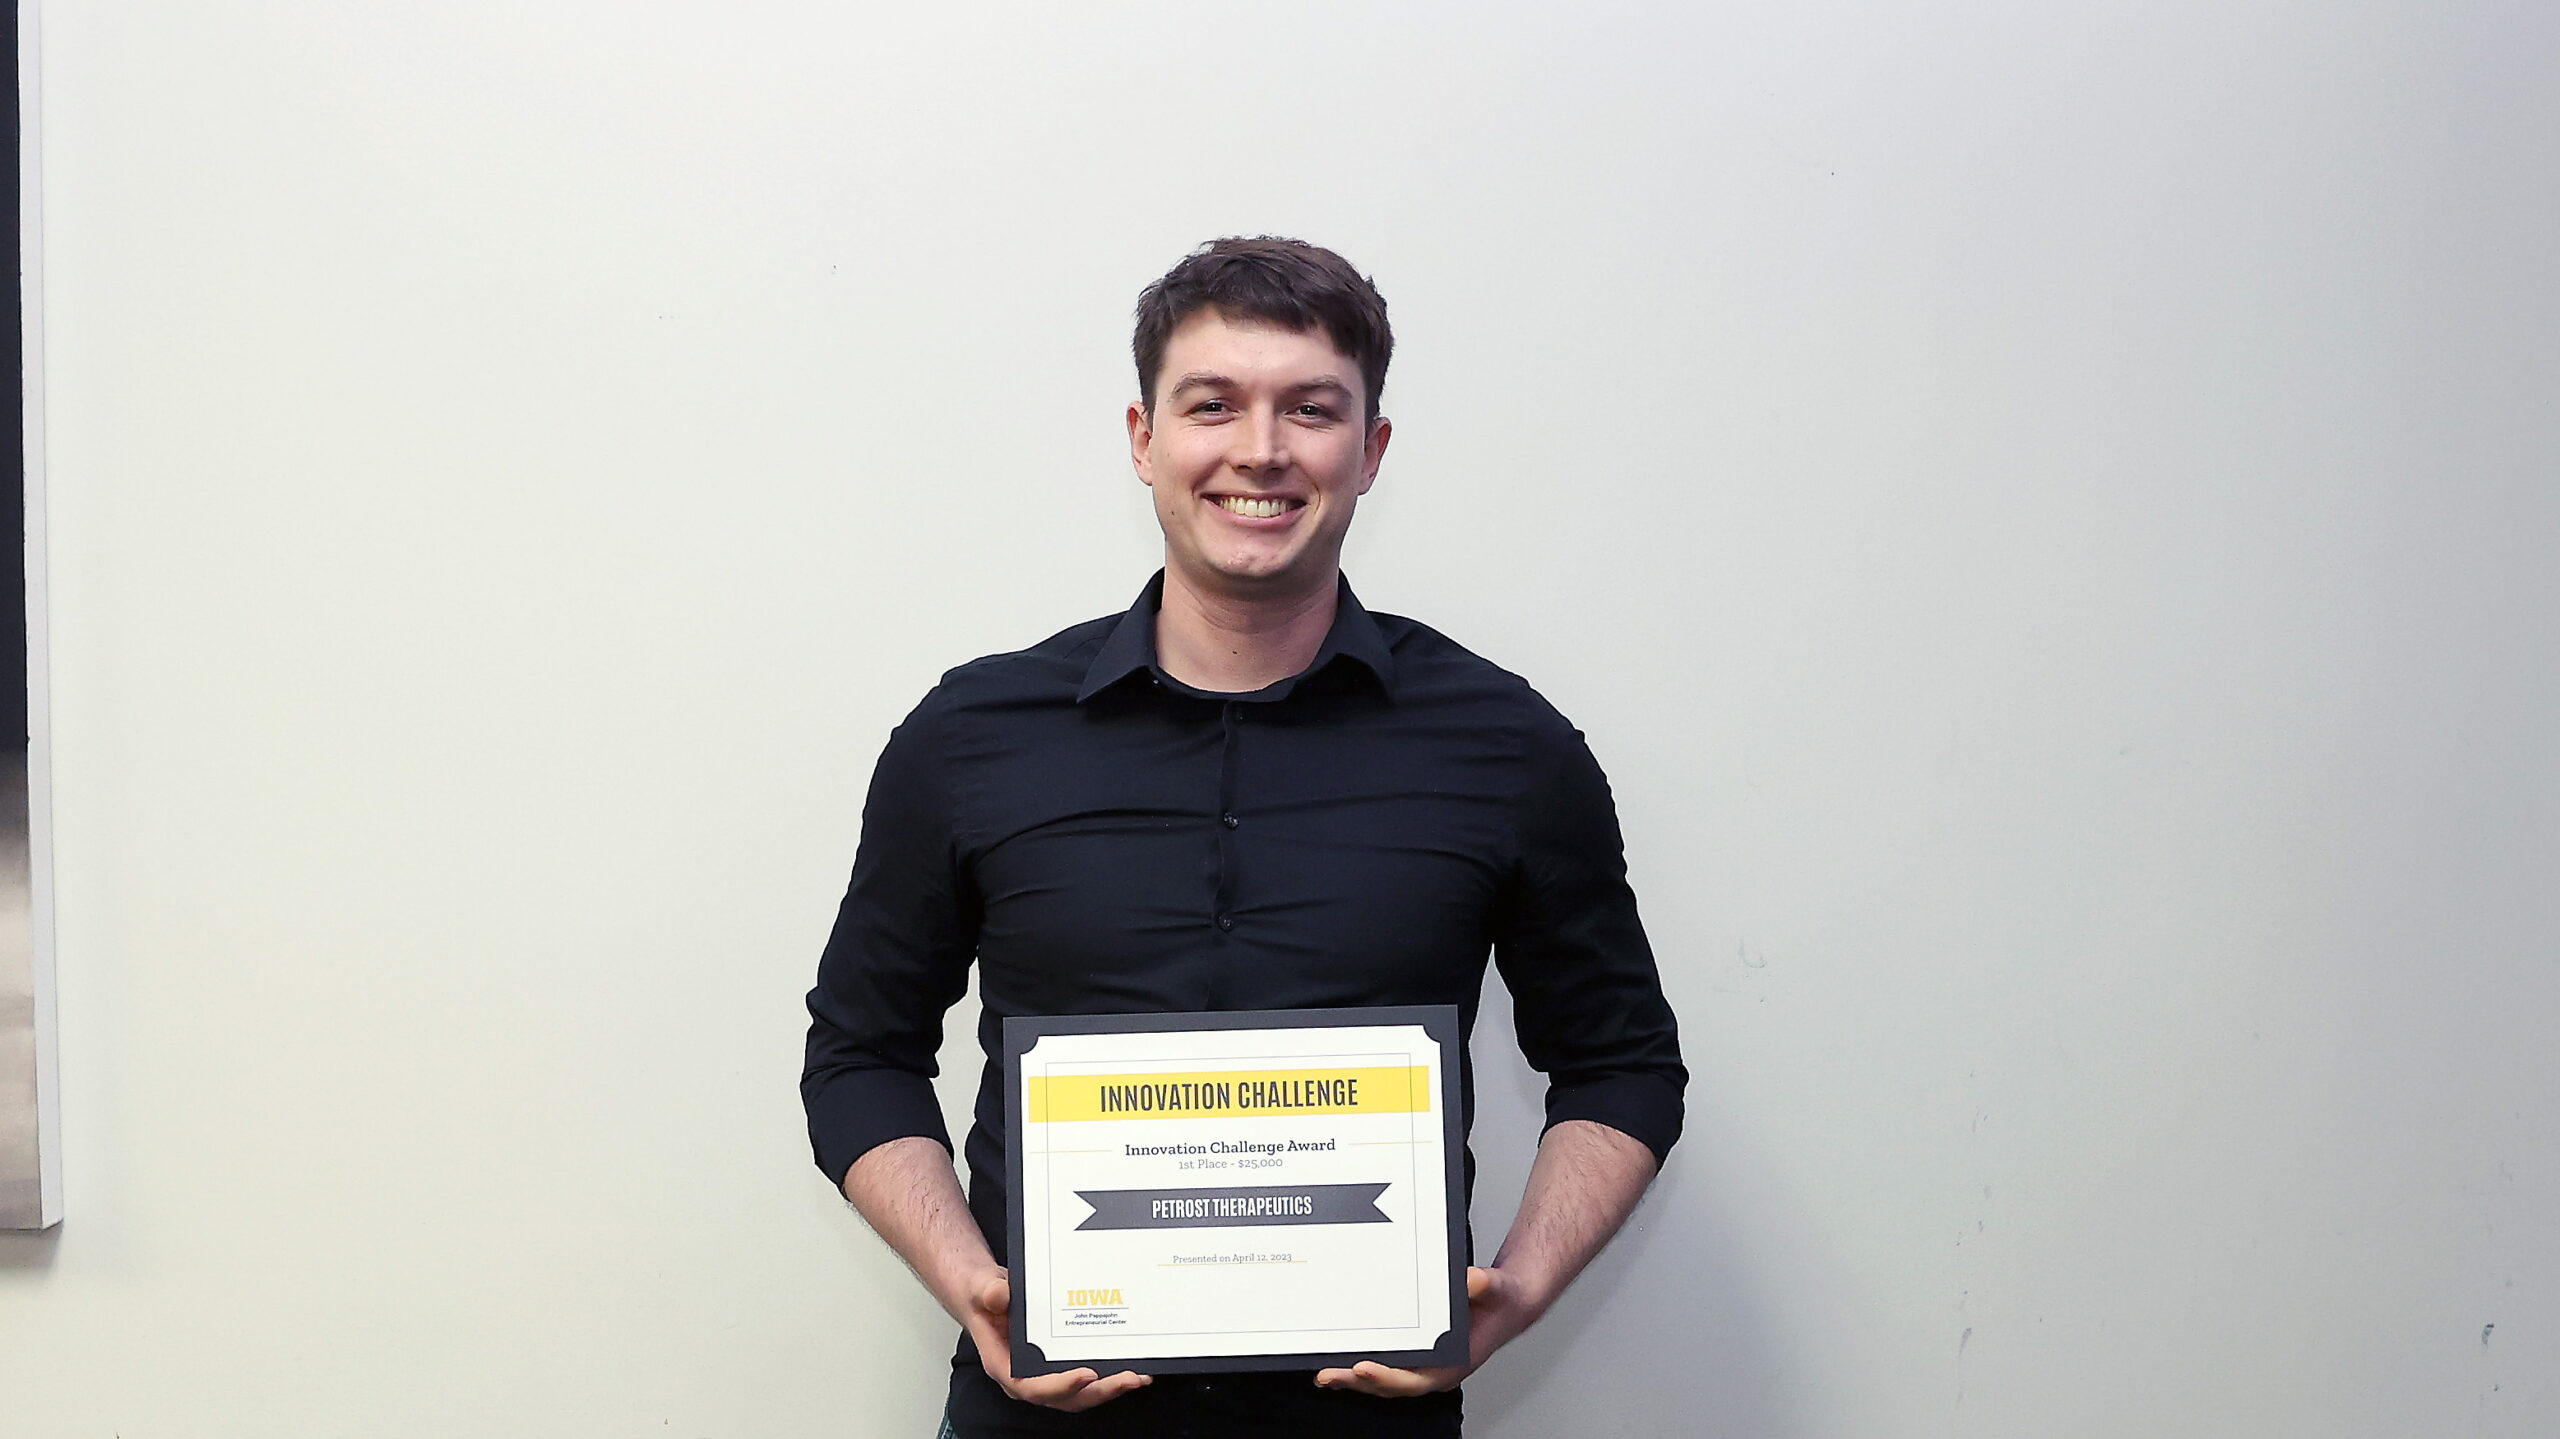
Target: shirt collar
(1131,645)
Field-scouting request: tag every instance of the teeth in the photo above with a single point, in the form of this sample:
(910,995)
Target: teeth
(1256,509)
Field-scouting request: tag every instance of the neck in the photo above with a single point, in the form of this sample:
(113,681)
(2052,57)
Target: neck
(1230,645)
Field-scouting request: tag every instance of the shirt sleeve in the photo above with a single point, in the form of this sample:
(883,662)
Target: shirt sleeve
(1586,997)
(897,959)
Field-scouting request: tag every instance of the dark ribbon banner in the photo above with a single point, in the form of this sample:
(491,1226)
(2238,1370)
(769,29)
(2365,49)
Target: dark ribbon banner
(1208,1208)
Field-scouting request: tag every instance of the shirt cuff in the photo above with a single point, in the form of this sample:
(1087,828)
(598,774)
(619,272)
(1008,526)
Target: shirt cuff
(1644,1107)
(855,1111)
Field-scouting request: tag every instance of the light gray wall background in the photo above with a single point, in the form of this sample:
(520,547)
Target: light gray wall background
(2046,512)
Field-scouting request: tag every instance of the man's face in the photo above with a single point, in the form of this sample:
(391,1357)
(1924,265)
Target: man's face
(1258,450)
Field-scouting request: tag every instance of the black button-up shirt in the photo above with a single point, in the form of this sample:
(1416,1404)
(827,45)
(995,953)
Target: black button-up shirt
(1102,839)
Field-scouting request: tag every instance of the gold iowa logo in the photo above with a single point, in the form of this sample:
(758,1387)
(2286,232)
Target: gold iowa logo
(1093,1299)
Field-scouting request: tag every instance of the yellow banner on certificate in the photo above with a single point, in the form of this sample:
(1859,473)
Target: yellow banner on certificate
(1229,1094)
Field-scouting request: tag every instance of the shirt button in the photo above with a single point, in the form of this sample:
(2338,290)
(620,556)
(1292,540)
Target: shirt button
(1228,820)
(1226,921)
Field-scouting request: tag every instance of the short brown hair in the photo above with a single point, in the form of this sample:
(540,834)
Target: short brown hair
(1279,281)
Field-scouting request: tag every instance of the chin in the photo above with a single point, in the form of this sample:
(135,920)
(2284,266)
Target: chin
(1263,567)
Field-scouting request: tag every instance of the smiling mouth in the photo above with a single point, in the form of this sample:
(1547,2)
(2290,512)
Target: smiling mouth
(1256,509)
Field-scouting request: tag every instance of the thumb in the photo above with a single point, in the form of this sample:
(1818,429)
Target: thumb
(996,1295)
(1479,1282)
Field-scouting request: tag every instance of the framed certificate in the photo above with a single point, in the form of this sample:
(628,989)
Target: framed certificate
(1271,1189)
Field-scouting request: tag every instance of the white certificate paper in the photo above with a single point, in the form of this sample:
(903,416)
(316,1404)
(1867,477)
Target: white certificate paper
(1276,1189)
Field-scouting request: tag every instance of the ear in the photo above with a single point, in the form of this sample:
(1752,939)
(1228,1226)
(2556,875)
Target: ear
(1142,436)
(1381,430)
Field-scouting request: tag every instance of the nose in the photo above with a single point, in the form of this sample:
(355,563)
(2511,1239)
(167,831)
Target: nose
(1260,441)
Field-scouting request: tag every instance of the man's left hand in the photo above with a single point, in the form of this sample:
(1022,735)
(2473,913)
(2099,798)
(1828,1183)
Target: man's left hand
(1498,1308)
(1585,1182)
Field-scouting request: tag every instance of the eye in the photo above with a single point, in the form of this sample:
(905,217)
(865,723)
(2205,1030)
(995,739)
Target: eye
(1210,407)
(1312,410)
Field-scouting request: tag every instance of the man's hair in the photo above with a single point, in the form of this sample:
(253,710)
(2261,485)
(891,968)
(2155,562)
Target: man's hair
(1278,281)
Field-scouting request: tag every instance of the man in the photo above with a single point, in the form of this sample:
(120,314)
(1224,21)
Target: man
(1247,792)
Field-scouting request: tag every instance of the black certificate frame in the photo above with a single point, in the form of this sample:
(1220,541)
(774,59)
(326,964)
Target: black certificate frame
(1439,1022)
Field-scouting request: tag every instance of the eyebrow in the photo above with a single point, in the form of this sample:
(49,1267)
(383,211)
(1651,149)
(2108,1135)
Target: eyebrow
(1209,380)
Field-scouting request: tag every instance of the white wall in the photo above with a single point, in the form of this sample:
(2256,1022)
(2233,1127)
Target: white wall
(2047,513)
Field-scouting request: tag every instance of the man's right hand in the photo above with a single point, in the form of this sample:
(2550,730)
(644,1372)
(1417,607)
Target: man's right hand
(908,1192)
(990,1301)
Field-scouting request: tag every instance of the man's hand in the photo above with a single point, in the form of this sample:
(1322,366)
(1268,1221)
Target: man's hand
(1585,1182)
(1498,1308)
(908,1192)
(1077,1389)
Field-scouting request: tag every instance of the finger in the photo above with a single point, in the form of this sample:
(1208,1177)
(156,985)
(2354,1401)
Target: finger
(1103,1391)
(1391,1380)
(1479,1283)
(996,1295)
(1076,1390)
(1371,1377)
(1053,1390)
